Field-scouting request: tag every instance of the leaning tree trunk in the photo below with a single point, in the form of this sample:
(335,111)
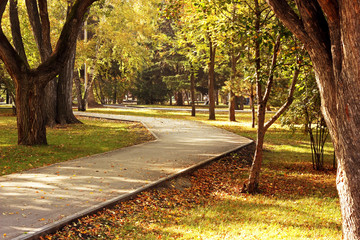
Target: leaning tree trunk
(330,31)
(252,184)
(252,106)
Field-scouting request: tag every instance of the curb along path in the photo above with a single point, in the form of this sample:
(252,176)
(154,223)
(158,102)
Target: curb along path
(39,199)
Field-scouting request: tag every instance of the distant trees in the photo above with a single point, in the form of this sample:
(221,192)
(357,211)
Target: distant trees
(117,48)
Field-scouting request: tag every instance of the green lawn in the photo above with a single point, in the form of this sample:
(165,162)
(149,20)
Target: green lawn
(295,201)
(65,143)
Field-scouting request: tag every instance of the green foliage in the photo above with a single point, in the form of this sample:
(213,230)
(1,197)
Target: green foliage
(117,48)
(306,106)
(149,87)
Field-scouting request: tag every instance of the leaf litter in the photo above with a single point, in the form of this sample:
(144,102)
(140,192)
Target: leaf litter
(154,210)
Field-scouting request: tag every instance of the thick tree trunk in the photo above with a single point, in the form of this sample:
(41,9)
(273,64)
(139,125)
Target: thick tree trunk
(64,111)
(330,31)
(30,115)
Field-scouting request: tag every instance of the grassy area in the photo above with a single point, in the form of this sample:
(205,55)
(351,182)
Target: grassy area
(295,202)
(65,143)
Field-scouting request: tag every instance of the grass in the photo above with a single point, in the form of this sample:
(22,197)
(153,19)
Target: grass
(65,143)
(294,202)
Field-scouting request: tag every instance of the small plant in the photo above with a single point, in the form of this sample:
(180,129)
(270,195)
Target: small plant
(318,137)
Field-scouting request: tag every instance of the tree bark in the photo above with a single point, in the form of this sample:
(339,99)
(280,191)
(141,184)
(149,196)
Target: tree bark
(179,99)
(252,106)
(330,32)
(64,104)
(192,92)
(64,111)
(211,81)
(241,105)
(30,116)
(15,30)
(232,106)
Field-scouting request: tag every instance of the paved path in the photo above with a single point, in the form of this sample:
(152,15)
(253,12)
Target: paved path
(34,200)
(187,109)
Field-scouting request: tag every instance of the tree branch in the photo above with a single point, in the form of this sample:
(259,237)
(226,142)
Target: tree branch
(14,64)
(290,98)
(315,24)
(66,42)
(34,18)
(15,30)
(45,27)
(289,18)
(272,69)
(330,9)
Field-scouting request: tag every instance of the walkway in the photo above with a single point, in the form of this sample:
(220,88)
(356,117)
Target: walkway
(42,198)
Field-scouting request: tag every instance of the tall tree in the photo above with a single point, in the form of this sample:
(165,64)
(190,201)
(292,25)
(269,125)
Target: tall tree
(263,98)
(203,32)
(330,32)
(30,83)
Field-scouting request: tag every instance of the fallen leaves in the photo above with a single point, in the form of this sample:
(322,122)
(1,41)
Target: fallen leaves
(152,211)
(163,206)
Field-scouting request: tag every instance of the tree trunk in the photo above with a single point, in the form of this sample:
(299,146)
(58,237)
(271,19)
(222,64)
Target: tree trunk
(252,184)
(64,110)
(80,100)
(7,96)
(241,105)
(179,99)
(232,105)
(50,99)
(252,106)
(330,31)
(114,94)
(192,92)
(211,82)
(30,115)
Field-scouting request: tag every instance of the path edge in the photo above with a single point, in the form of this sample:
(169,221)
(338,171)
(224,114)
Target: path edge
(52,228)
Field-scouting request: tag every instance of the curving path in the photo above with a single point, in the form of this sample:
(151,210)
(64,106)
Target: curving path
(39,199)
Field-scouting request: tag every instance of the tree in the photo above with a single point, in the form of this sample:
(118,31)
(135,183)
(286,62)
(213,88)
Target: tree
(330,32)
(30,83)
(263,96)
(203,32)
(114,60)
